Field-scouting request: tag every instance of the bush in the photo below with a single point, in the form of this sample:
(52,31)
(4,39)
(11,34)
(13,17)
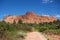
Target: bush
(6,31)
(42,29)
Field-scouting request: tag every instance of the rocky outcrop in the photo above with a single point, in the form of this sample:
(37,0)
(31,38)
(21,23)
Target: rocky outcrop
(29,17)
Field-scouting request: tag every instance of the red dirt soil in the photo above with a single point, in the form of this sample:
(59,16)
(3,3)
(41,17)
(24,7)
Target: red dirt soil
(35,36)
(54,36)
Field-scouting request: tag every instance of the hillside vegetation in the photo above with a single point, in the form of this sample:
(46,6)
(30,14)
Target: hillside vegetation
(9,31)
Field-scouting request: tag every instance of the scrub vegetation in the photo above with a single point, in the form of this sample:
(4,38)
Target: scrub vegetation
(13,31)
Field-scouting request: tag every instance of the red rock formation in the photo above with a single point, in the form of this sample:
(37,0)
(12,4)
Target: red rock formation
(29,17)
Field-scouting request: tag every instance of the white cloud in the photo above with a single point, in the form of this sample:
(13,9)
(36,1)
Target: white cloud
(58,16)
(45,15)
(47,1)
(51,1)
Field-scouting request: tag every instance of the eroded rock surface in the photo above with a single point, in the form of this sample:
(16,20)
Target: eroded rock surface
(29,17)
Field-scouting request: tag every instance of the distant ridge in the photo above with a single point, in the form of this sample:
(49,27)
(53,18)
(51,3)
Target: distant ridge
(29,17)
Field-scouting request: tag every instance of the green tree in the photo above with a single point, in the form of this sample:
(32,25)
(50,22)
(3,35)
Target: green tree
(20,22)
(14,22)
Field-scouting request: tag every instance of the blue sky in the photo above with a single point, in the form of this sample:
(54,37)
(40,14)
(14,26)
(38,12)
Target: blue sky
(39,7)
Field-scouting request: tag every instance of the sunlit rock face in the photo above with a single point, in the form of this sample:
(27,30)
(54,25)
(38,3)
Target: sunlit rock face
(29,17)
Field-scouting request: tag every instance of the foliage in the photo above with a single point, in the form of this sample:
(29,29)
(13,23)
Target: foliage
(20,22)
(7,30)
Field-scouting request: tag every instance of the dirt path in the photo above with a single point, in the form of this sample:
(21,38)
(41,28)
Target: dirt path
(35,36)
